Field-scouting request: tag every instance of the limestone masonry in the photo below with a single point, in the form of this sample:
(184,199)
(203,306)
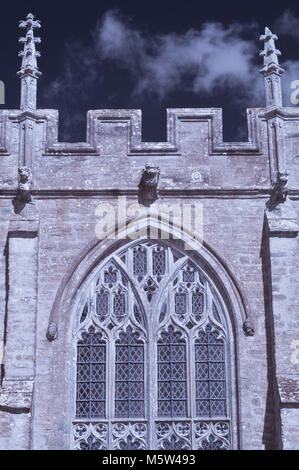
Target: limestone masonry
(133,341)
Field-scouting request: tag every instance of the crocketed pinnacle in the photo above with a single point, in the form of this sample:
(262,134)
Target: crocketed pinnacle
(270,54)
(29,54)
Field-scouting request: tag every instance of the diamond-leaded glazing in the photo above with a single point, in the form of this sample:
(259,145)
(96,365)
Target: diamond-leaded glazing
(180,330)
(188,275)
(110,276)
(119,305)
(91,375)
(139,262)
(172,377)
(197,302)
(180,303)
(210,374)
(102,303)
(159,261)
(129,375)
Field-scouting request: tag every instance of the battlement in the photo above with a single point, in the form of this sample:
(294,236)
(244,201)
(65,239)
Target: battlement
(110,122)
(194,156)
(114,141)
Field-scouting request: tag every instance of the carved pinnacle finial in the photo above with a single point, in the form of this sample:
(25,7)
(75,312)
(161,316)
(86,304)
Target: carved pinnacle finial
(271,69)
(270,53)
(29,72)
(29,54)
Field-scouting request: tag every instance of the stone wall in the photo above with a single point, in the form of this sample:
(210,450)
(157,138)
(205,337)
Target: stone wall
(42,245)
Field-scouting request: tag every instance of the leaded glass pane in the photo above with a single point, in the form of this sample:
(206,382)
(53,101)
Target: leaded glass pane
(180,304)
(216,352)
(218,408)
(159,261)
(139,262)
(97,409)
(210,374)
(119,305)
(197,303)
(203,408)
(172,380)
(129,376)
(102,303)
(91,375)
(188,276)
(110,276)
(202,389)
(217,370)
(150,288)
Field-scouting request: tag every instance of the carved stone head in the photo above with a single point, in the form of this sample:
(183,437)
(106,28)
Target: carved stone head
(148,184)
(248,328)
(282,179)
(51,331)
(151,170)
(24,174)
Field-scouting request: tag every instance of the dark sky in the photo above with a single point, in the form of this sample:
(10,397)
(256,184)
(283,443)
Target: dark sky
(69,53)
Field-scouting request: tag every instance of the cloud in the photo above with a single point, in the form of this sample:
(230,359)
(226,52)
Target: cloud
(197,61)
(123,65)
(287,24)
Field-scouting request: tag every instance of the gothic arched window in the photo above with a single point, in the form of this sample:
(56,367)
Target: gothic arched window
(151,355)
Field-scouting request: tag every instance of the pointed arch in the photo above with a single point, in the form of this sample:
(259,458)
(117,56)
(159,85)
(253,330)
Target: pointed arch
(211,263)
(227,305)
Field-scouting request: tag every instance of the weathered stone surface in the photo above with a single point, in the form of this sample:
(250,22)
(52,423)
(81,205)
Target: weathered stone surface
(16,394)
(49,248)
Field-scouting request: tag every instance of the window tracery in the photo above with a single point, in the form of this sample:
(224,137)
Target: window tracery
(151,315)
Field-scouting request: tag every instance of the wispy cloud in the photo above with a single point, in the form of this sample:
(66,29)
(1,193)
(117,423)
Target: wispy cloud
(287,24)
(196,60)
(202,61)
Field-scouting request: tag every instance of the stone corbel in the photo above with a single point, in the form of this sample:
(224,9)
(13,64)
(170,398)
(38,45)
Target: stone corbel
(248,327)
(147,188)
(52,332)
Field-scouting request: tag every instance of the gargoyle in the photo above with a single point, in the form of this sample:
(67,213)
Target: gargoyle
(25,182)
(23,195)
(279,190)
(147,188)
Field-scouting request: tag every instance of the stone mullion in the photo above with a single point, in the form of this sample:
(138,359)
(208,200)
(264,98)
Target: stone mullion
(90,373)
(129,380)
(210,376)
(190,378)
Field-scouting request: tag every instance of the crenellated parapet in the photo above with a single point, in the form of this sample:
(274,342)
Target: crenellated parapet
(110,122)
(194,151)
(193,157)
